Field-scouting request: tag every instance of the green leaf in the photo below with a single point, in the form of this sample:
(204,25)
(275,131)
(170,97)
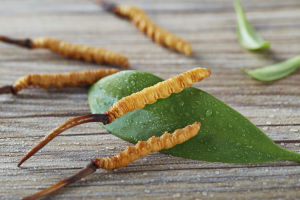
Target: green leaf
(247,35)
(225,135)
(276,71)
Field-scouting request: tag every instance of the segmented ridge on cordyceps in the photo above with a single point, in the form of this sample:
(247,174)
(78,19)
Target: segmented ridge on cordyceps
(130,154)
(130,103)
(147,26)
(75,51)
(72,79)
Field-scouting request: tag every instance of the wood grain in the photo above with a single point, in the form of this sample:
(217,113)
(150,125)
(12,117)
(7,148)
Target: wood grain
(210,27)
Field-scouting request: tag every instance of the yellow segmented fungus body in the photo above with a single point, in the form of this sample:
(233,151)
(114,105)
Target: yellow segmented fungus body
(143,148)
(146,26)
(160,90)
(77,51)
(59,80)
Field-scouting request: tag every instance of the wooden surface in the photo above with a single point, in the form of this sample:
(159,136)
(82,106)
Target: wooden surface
(210,27)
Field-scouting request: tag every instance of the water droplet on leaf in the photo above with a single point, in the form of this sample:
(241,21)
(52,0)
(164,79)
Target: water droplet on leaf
(208,113)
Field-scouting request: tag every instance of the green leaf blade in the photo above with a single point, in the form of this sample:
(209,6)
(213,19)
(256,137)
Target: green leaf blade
(247,35)
(225,135)
(275,71)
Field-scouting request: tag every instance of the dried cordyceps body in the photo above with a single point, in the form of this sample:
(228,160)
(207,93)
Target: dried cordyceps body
(127,104)
(143,148)
(72,79)
(158,91)
(75,51)
(146,26)
(130,154)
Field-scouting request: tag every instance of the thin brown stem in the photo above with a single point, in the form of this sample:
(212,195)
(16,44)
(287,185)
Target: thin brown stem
(7,89)
(68,124)
(107,6)
(26,43)
(89,169)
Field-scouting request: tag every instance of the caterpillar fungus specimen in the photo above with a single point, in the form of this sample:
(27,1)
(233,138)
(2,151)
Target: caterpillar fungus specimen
(75,51)
(146,26)
(130,154)
(72,79)
(128,104)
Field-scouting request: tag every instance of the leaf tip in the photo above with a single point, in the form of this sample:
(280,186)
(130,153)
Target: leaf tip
(247,35)
(291,156)
(263,45)
(244,70)
(266,45)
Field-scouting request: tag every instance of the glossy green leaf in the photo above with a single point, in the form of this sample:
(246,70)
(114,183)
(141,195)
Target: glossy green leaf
(247,35)
(225,135)
(276,71)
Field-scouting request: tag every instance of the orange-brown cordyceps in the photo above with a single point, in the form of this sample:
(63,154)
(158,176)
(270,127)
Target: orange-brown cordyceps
(148,27)
(71,79)
(69,50)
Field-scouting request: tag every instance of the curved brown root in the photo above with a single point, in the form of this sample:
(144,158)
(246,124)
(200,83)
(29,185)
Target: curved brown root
(89,169)
(68,124)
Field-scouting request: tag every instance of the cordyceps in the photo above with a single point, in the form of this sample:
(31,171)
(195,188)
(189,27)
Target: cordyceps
(146,26)
(130,154)
(125,105)
(75,51)
(72,79)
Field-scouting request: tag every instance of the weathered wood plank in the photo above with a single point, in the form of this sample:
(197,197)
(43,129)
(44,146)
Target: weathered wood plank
(210,27)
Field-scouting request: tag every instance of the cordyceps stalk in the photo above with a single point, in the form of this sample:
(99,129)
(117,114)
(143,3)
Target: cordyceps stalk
(130,103)
(75,51)
(146,26)
(72,79)
(130,154)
